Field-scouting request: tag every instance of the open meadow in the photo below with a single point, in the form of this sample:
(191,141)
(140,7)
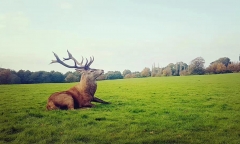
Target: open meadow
(190,109)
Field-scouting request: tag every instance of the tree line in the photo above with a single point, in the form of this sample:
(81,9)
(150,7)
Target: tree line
(8,76)
(196,67)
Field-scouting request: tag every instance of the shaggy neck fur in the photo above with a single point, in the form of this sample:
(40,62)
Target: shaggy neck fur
(87,85)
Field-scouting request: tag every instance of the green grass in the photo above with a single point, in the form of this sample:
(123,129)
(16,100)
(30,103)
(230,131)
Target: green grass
(191,109)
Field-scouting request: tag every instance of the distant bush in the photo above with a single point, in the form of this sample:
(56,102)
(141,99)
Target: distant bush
(113,75)
(234,67)
(184,73)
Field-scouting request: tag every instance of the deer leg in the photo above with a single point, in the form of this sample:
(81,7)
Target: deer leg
(70,105)
(51,106)
(87,105)
(95,99)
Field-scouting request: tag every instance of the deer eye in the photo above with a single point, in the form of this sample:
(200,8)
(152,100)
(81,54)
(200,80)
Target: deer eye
(91,70)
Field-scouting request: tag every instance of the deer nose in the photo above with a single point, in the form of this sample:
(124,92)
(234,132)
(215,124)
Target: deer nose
(102,71)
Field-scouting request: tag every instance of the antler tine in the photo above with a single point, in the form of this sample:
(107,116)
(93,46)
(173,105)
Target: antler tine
(86,64)
(81,61)
(55,61)
(91,61)
(71,57)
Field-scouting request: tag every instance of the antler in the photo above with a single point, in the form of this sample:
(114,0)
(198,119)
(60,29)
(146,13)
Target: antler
(76,63)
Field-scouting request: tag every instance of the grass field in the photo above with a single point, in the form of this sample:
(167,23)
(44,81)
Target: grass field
(191,109)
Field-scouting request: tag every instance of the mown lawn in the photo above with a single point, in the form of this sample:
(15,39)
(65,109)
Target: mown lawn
(191,109)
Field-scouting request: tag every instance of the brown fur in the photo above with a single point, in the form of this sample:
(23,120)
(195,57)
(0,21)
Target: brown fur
(79,96)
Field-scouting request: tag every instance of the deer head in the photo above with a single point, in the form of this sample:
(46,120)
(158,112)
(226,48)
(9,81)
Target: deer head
(86,71)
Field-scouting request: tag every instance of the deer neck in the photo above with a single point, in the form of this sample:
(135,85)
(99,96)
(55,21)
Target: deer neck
(87,86)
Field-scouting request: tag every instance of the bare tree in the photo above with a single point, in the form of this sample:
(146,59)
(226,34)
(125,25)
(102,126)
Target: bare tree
(146,72)
(221,68)
(197,66)
(167,71)
(125,72)
(234,67)
(128,76)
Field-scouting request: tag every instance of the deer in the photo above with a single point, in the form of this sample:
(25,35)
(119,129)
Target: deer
(80,95)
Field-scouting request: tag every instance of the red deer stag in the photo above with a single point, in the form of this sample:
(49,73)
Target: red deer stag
(82,94)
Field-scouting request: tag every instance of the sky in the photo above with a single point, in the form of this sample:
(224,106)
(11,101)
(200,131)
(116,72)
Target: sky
(120,34)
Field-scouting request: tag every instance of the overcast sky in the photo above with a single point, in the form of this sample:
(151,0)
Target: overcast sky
(120,34)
